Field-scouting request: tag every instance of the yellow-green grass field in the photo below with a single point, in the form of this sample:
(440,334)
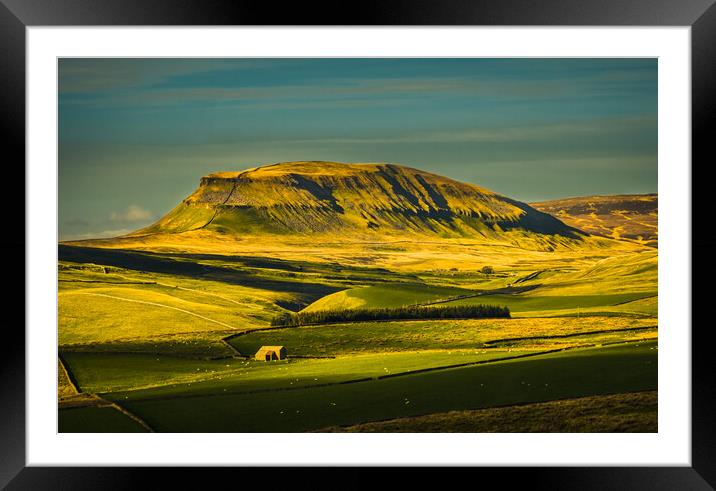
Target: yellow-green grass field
(396,336)
(112,372)
(158,332)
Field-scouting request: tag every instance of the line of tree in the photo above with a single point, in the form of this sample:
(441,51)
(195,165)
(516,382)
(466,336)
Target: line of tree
(410,312)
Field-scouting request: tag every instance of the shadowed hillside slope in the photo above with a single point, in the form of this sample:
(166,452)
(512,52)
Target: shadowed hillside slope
(345,199)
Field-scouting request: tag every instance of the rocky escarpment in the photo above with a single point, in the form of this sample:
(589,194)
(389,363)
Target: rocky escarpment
(345,199)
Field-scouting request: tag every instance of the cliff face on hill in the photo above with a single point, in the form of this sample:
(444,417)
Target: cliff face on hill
(345,199)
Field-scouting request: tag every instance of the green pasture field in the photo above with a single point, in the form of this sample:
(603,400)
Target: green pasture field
(130,305)
(304,281)
(201,346)
(97,419)
(385,296)
(166,375)
(520,304)
(630,273)
(545,305)
(633,412)
(362,337)
(574,373)
(98,372)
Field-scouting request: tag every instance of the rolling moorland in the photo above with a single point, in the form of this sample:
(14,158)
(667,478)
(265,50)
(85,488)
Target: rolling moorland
(158,328)
(627,217)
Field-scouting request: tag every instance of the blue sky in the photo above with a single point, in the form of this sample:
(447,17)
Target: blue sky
(136,135)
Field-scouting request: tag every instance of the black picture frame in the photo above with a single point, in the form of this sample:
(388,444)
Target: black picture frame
(700,15)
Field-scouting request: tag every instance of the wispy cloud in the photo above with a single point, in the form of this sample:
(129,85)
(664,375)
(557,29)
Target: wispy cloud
(334,90)
(511,133)
(83,75)
(342,92)
(134,213)
(96,235)
(76,222)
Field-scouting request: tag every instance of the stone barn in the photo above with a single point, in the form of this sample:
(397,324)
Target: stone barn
(270,353)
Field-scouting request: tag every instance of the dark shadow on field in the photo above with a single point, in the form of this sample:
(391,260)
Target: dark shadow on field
(537,221)
(105,419)
(157,263)
(299,266)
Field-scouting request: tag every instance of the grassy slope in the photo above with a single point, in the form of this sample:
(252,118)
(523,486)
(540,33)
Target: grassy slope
(603,286)
(625,273)
(129,305)
(631,217)
(64,385)
(633,412)
(384,296)
(341,339)
(427,257)
(145,376)
(556,305)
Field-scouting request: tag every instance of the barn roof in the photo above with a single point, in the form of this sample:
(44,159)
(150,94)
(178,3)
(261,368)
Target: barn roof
(270,348)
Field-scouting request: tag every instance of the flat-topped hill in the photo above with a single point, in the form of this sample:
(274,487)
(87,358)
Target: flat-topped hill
(348,199)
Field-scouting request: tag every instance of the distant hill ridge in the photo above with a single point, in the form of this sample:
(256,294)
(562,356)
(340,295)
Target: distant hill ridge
(632,217)
(342,199)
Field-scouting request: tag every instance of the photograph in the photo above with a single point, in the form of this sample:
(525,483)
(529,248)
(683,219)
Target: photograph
(357,245)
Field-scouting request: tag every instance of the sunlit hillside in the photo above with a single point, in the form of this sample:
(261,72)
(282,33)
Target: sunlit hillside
(318,203)
(628,217)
